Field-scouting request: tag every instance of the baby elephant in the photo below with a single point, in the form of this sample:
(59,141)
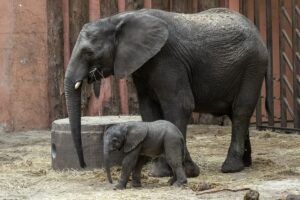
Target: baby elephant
(141,141)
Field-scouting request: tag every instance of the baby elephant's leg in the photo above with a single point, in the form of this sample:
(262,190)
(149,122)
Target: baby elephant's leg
(181,177)
(173,179)
(174,156)
(136,173)
(128,164)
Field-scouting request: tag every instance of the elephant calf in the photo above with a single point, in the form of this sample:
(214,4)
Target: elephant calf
(141,141)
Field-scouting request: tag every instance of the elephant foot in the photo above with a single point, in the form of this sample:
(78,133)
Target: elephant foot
(191,169)
(179,183)
(160,168)
(232,164)
(119,187)
(136,184)
(172,180)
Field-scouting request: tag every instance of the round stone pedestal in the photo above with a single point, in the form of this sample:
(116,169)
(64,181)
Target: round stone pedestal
(63,152)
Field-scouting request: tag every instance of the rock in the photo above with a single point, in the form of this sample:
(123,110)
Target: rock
(293,197)
(251,195)
(63,153)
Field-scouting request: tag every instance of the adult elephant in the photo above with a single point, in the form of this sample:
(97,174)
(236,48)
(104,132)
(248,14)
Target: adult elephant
(210,62)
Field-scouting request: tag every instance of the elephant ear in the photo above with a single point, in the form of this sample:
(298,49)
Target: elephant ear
(139,37)
(134,136)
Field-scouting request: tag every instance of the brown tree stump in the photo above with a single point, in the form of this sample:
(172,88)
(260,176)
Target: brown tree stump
(63,152)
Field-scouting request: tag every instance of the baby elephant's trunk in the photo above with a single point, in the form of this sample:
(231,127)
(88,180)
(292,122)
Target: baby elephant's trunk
(107,165)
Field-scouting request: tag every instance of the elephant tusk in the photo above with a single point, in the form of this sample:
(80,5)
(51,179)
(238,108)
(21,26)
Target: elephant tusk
(77,85)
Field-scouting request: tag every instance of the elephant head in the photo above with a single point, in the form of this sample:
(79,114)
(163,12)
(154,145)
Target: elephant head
(121,137)
(118,45)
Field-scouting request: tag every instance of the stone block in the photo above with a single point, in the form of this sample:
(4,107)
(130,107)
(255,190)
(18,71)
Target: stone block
(63,152)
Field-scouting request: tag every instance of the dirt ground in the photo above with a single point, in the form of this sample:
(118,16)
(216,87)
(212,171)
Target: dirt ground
(25,170)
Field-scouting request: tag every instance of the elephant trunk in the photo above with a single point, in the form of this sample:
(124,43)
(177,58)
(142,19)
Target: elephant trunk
(107,163)
(73,100)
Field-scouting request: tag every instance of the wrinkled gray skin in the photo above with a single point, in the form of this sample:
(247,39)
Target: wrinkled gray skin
(210,62)
(141,141)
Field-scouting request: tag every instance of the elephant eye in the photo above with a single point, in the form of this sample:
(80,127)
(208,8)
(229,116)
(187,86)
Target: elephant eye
(114,140)
(88,52)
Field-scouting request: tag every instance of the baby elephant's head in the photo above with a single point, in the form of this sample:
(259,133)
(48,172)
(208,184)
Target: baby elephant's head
(124,135)
(121,136)
(114,138)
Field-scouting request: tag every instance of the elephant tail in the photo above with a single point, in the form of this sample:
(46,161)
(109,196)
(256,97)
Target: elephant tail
(268,98)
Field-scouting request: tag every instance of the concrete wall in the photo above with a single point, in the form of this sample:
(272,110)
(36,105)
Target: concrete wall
(23,65)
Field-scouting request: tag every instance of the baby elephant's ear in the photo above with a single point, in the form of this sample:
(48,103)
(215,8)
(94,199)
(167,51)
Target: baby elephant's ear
(135,135)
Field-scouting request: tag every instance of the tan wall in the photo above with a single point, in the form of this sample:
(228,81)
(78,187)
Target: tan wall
(23,65)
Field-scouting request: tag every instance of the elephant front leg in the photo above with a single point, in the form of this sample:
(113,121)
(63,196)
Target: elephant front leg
(128,164)
(151,111)
(178,113)
(136,174)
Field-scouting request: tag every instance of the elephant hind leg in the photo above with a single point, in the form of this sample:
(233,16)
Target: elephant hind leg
(247,160)
(180,177)
(239,153)
(173,179)
(174,157)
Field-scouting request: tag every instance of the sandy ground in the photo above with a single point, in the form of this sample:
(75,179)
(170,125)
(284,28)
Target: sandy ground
(25,170)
